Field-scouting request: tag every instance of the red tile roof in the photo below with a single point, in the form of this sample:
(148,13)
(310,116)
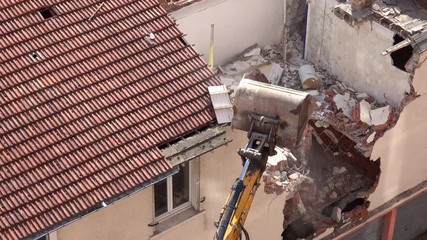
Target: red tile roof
(81,119)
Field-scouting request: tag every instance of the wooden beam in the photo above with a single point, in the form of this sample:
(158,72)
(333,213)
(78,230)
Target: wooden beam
(389,222)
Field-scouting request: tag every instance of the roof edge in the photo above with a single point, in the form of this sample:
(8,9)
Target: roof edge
(99,206)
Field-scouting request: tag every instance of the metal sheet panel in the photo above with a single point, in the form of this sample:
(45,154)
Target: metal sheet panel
(372,231)
(411,220)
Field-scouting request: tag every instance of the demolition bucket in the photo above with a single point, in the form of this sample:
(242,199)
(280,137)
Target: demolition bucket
(290,107)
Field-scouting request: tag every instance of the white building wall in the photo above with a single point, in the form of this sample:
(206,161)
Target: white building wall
(403,149)
(238,25)
(353,54)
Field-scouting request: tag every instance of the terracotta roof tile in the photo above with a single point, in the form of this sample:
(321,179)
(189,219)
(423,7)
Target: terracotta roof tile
(84,105)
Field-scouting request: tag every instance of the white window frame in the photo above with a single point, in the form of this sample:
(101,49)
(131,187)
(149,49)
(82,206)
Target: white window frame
(193,167)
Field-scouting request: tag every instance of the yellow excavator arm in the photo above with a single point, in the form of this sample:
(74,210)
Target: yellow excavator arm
(272,116)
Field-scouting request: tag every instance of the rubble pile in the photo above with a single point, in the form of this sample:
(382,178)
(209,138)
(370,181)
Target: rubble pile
(328,180)
(282,173)
(356,114)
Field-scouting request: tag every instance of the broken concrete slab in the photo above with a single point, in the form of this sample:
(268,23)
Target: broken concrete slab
(365,112)
(253,52)
(273,72)
(380,116)
(345,103)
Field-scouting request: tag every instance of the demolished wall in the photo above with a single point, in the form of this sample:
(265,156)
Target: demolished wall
(353,53)
(345,127)
(403,148)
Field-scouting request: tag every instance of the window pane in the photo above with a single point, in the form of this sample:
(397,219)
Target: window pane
(181,185)
(160,198)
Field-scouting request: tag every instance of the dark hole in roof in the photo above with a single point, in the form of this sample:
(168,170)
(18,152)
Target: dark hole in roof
(47,12)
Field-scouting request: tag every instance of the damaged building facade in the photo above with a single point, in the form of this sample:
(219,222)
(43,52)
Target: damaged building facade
(373,121)
(363,151)
(361,166)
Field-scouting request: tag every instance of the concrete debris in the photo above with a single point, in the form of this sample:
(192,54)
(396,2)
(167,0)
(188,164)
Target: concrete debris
(330,187)
(336,214)
(308,77)
(361,96)
(322,124)
(371,137)
(275,74)
(280,176)
(373,117)
(237,67)
(354,113)
(380,116)
(253,52)
(345,103)
(364,114)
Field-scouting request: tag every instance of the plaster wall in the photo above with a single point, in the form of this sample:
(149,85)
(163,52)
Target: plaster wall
(126,219)
(353,54)
(219,170)
(238,25)
(403,149)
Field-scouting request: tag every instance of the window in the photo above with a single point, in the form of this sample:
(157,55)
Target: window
(47,12)
(173,193)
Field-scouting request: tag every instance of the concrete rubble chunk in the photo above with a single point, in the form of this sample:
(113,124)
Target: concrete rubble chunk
(374,117)
(345,103)
(294,176)
(365,112)
(236,67)
(371,137)
(253,52)
(361,96)
(321,124)
(336,214)
(380,116)
(273,72)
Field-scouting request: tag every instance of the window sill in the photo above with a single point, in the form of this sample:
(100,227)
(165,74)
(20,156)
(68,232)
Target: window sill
(175,221)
